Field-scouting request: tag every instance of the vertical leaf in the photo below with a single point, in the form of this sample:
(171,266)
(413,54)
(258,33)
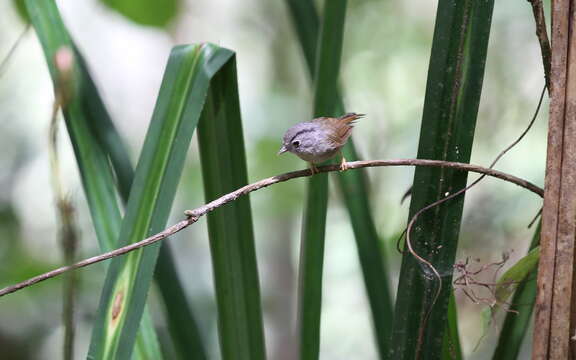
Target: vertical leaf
(307,25)
(516,323)
(451,349)
(183,326)
(184,329)
(146,12)
(90,156)
(159,168)
(313,229)
(230,227)
(353,189)
(97,176)
(452,97)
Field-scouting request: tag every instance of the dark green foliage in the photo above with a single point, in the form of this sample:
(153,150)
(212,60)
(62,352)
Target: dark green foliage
(453,93)
(516,323)
(147,12)
(230,227)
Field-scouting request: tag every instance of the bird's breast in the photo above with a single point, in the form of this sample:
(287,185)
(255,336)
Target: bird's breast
(318,157)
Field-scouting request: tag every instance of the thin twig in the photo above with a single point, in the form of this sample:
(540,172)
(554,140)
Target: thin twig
(65,209)
(12,50)
(193,215)
(408,229)
(536,217)
(69,242)
(542,34)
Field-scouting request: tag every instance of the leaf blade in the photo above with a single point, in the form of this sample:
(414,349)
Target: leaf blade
(314,223)
(452,97)
(146,12)
(352,186)
(96,174)
(159,168)
(516,325)
(230,227)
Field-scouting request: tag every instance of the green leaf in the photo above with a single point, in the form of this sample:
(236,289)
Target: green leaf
(517,321)
(159,168)
(20,7)
(512,280)
(450,109)
(353,188)
(230,227)
(181,321)
(184,329)
(183,326)
(108,138)
(147,12)
(514,276)
(314,224)
(372,259)
(307,25)
(95,171)
(181,100)
(486,320)
(90,157)
(451,349)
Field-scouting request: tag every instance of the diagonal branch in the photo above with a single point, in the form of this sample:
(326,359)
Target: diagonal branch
(194,215)
(10,54)
(542,34)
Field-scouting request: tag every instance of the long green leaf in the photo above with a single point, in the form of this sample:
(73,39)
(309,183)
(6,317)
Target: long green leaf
(180,101)
(147,12)
(307,25)
(184,329)
(97,176)
(516,323)
(314,225)
(449,117)
(182,323)
(353,188)
(451,349)
(20,6)
(230,227)
(183,326)
(90,156)
(514,276)
(108,138)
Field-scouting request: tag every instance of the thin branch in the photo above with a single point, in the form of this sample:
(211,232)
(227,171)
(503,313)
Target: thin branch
(12,50)
(542,34)
(68,234)
(194,215)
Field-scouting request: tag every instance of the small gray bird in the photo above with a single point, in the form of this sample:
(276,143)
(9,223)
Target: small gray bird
(320,139)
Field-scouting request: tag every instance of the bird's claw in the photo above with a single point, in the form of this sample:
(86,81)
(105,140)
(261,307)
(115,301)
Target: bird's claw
(343,165)
(313,168)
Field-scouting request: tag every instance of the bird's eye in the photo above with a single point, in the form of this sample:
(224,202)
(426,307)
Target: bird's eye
(296,143)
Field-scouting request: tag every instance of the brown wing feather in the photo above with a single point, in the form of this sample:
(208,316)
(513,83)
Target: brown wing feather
(341,127)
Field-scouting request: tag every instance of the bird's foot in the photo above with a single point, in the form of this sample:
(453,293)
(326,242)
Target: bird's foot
(313,168)
(343,164)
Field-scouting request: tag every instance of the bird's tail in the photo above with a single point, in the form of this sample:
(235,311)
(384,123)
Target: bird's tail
(342,127)
(350,118)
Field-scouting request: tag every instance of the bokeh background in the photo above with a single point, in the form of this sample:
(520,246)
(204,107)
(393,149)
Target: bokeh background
(384,66)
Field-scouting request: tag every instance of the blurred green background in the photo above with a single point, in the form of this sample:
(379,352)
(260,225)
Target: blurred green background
(384,66)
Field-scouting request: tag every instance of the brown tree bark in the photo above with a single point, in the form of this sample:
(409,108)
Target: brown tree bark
(554,319)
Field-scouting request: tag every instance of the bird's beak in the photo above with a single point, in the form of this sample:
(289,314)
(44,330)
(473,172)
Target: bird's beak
(282,150)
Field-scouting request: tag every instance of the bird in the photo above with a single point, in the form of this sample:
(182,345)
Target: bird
(320,139)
